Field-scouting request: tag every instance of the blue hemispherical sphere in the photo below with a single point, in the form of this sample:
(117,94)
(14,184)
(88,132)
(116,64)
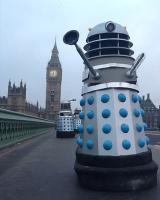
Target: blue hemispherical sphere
(79,141)
(136,112)
(81,115)
(82,102)
(90,128)
(142,112)
(106,113)
(107,145)
(121,97)
(90,100)
(145,126)
(141,143)
(123,112)
(80,128)
(106,128)
(126,144)
(90,144)
(134,98)
(124,128)
(105,98)
(147,140)
(139,127)
(139,99)
(90,114)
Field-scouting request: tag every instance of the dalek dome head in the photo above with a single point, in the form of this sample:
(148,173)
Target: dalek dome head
(108,39)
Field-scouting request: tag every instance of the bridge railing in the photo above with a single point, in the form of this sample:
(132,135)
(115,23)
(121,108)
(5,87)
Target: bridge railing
(16,127)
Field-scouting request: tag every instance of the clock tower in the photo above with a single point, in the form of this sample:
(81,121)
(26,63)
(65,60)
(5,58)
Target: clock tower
(53,85)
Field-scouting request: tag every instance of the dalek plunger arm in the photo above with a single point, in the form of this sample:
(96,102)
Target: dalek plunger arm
(71,38)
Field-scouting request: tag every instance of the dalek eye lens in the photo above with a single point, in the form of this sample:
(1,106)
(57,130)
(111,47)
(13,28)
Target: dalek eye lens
(110,27)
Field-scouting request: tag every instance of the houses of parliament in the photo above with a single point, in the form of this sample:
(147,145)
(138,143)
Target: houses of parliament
(16,98)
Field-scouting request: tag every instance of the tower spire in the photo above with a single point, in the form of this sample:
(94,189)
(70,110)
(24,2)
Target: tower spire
(55,44)
(54,61)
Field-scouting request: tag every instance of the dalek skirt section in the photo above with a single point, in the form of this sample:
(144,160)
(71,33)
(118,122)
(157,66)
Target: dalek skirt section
(112,121)
(65,127)
(112,151)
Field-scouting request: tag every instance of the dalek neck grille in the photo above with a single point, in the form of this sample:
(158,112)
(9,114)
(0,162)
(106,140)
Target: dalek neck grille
(108,39)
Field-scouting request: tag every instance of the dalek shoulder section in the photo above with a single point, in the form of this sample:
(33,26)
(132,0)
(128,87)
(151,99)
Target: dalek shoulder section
(109,52)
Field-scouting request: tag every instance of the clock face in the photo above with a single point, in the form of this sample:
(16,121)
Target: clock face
(53,73)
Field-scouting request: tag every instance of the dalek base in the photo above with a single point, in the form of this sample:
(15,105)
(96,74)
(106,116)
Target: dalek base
(65,134)
(128,173)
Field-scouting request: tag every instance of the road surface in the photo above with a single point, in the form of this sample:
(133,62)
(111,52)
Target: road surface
(42,169)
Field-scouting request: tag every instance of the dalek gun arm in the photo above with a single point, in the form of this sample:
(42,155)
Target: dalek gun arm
(71,38)
(135,65)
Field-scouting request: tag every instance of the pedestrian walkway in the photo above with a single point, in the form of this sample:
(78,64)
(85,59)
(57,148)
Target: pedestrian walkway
(42,169)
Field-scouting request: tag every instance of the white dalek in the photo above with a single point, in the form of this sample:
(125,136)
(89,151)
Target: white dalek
(112,151)
(65,122)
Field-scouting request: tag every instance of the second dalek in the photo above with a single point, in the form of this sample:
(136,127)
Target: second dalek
(112,151)
(65,121)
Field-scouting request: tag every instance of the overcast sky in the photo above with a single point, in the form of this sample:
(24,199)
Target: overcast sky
(28,29)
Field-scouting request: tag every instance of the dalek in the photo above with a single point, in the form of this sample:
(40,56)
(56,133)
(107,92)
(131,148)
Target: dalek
(112,152)
(65,122)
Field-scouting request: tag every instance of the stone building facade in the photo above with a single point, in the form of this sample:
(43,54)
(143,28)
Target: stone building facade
(16,101)
(152,113)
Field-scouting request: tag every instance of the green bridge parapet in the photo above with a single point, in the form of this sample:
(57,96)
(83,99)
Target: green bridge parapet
(16,127)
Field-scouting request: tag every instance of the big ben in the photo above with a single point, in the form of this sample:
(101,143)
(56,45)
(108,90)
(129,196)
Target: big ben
(53,85)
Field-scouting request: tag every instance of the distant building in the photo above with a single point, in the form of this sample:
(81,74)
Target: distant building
(16,101)
(152,113)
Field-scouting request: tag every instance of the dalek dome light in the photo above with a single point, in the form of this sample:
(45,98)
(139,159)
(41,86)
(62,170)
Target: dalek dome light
(108,39)
(107,27)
